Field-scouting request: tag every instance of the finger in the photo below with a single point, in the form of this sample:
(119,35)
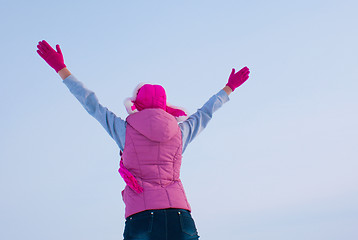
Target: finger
(246,76)
(41,48)
(244,70)
(41,54)
(232,71)
(58,49)
(46,46)
(241,72)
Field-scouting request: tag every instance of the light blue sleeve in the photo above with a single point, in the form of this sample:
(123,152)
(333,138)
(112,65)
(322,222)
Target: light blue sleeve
(115,126)
(196,123)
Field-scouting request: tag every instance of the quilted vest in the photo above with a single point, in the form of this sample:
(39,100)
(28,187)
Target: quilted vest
(152,154)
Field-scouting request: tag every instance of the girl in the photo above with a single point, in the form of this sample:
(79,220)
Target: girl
(152,139)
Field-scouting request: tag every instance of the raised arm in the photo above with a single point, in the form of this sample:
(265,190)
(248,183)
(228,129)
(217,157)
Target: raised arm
(114,125)
(191,127)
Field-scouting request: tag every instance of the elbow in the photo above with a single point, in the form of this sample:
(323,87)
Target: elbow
(91,103)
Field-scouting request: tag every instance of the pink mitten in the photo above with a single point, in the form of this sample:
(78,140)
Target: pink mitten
(53,58)
(237,79)
(127,176)
(130,180)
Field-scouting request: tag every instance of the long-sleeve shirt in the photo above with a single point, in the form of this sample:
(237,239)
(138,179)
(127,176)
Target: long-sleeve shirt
(116,126)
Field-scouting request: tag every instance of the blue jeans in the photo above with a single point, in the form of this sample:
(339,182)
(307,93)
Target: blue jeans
(161,224)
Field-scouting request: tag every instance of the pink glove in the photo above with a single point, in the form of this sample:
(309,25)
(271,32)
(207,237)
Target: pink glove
(127,176)
(237,79)
(53,58)
(129,179)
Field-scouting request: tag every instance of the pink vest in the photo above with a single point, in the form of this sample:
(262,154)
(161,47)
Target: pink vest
(152,153)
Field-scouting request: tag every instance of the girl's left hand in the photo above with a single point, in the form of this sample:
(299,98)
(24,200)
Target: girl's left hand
(52,57)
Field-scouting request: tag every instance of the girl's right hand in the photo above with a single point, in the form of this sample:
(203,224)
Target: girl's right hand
(237,79)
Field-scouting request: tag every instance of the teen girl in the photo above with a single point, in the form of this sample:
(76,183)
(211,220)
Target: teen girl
(151,140)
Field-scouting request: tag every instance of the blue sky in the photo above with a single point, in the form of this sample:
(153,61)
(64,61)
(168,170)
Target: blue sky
(278,161)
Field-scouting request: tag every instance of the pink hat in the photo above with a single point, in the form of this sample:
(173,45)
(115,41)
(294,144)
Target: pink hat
(152,96)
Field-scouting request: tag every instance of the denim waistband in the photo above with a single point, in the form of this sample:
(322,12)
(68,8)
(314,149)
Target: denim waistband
(146,212)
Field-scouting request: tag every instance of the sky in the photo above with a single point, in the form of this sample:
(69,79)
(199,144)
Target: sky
(277,162)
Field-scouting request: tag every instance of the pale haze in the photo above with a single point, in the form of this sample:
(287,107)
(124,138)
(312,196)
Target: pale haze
(279,161)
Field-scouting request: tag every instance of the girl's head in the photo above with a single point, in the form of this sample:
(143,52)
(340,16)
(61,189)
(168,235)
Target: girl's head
(152,96)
